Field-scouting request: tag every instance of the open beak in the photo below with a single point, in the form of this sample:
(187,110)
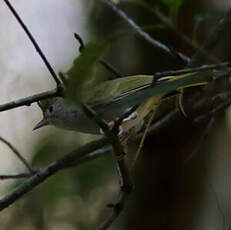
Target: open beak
(42,123)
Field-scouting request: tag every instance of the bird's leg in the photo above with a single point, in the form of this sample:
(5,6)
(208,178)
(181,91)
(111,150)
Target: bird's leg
(111,124)
(132,116)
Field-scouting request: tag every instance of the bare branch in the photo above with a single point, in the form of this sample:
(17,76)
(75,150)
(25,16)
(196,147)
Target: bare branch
(188,40)
(125,177)
(27,101)
(222,65)
(106,65)
(35,44)
(78,156)
(213,40)
(126,184)
(117,209)
(15,176)
(158,124)
(219,208)
(145,35)
(91,156)
(214,111)
(18,154)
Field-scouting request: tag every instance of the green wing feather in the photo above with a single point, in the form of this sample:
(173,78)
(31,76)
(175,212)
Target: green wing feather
(109,91)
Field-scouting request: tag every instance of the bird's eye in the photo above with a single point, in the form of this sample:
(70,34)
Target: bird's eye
(50,109)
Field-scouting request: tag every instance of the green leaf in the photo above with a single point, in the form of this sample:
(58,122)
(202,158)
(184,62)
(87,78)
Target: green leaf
(139,2)
(58,188)
(82,75)
(174,5)
(92,173)
(198,18)
(201,17)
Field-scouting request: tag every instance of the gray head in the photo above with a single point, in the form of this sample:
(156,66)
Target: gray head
(57,113)
(51,109)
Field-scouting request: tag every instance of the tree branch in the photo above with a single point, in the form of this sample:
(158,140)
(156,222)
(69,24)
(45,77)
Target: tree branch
(145,35)
(211,43)
(117,209)
(124,173)
(126,184)
(27,101)
(213,112)
(78,156)
(15,176)
(106,65)
(18,154)
(35,44)
(202,68)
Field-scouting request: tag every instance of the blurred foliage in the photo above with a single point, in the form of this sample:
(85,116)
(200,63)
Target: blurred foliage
(139,2)
(76,198)
(202,17)
(82,74)
(173,5)
(73,196)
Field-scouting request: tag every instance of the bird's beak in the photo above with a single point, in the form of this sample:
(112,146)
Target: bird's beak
(42,123)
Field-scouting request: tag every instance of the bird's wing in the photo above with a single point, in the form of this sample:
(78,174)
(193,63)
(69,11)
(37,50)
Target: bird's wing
(109,91)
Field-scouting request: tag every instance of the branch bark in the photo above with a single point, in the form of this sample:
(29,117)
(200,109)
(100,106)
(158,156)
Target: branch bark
(145,35)
(76,157)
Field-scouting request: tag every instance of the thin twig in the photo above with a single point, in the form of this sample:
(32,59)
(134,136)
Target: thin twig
(78,156)
(126,184)
(125,177)
(223,218)
(57,92)
(213,40)
(16,176)
(189,41)
(72,159)
(27,101)
(90,156)
(145,35)
(106,65)
(212,112)
(18,154)
(111,69)
(158,124)
(202,68)
(117,209)
(137,154)
(81,42)
(93,116)
(35,44)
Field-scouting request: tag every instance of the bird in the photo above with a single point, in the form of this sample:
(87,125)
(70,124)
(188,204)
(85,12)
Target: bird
(59,113)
